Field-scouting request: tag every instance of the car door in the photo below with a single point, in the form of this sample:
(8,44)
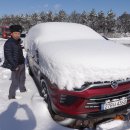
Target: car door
(36,67)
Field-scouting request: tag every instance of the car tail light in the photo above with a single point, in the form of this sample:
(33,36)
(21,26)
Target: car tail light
(67,99)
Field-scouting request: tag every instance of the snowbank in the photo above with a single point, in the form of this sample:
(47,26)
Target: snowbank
(71,54)
(122,40)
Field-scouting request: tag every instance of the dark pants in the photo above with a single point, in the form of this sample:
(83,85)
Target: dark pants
(18,80)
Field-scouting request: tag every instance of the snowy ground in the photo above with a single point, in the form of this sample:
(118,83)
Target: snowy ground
(29,111)
(122,40)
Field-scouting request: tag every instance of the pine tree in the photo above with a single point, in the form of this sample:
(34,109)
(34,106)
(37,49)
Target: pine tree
(84,18)
(124,22)
(110,21)
(62,16)
(101,20)
(92,20)
(74,17)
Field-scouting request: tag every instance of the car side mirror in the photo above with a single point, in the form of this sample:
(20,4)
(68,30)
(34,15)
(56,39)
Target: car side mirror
(23,35)
(105,37)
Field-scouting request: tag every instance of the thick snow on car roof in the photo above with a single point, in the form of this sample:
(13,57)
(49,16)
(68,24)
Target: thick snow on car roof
(56,31)
(70,62)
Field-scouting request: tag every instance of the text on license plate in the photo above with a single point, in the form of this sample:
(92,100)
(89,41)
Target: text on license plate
(109,104)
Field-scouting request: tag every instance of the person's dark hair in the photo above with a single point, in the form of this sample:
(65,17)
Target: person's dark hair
(16,28)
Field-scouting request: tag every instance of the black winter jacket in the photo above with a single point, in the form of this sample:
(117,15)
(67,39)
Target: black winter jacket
(13,54)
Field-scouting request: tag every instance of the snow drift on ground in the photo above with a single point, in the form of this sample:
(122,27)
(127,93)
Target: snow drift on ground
(72,54)
(122,40)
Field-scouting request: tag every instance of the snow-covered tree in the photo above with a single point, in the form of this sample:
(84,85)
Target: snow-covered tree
(62,16)
(84,18)
(110,21)
(74,17)
(49,16)
(35,18)
(101,20)
(124,22)
(43,16)
(98,21)
(92,19)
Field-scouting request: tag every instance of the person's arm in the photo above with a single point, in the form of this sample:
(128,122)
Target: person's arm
(8,51)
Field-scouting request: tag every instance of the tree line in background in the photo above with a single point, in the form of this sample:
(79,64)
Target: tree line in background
(108,25)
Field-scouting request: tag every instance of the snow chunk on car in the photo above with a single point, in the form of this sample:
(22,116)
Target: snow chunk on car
(71,54)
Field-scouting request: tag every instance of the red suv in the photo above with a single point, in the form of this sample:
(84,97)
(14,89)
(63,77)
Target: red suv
(80,74)
(4,32)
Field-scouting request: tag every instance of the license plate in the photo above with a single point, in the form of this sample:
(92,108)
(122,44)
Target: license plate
(109,104)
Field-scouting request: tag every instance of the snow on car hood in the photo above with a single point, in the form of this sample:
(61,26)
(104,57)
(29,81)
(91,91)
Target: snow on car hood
(71,54)
(71,63)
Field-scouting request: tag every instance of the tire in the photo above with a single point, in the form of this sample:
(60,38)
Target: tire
(43,90)
(45,95)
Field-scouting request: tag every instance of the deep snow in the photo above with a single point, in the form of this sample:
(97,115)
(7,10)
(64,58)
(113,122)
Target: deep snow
(29,111)
(71,54)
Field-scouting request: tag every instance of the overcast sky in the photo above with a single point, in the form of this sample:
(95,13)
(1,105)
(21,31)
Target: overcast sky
(29,6)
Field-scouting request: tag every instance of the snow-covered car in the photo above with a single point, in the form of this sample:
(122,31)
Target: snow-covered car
(81,74)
